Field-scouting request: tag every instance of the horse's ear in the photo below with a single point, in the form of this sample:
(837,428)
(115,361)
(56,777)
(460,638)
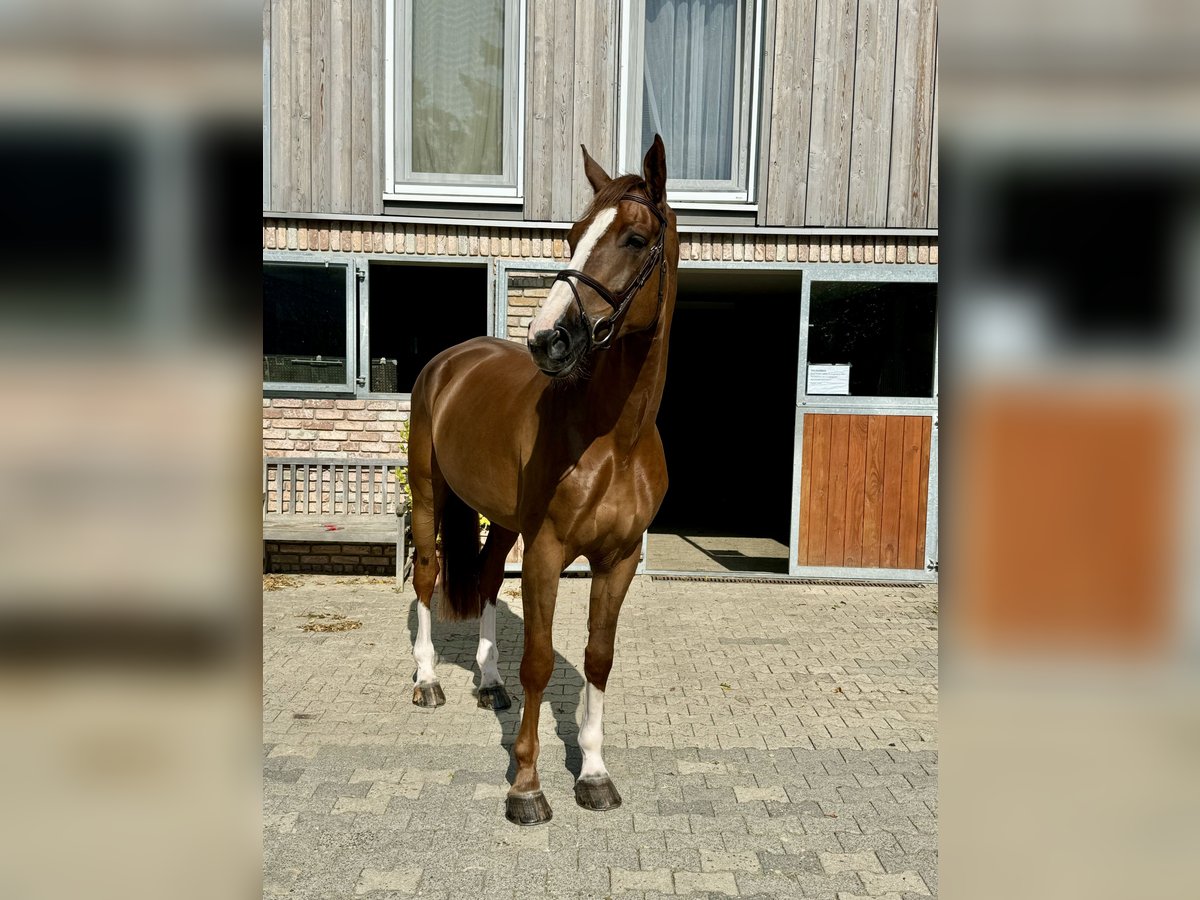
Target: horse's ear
(654,170)
(596,176)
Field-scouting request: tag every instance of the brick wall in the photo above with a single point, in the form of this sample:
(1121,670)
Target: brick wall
(347,559)
(407,239)
(525,294)
(336,428)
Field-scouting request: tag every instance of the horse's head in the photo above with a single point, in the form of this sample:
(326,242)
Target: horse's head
(614,283)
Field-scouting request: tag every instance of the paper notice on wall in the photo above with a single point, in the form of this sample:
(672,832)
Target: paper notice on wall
(829,379)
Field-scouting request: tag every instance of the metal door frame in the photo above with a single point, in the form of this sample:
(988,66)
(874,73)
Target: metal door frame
(809,272)
(883,406)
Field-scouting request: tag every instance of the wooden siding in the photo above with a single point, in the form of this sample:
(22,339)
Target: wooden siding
(864,484)
(912,129)
(326,105)
(570,99)
(847,122)
(871,141)
(832,105)
(790,106)
(852,112)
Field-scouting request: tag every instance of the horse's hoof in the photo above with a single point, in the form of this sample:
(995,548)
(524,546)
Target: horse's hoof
(428,695)
(597,792)
(527,809)
(494,697)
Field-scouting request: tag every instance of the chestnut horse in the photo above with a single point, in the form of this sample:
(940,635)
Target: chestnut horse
(556,442)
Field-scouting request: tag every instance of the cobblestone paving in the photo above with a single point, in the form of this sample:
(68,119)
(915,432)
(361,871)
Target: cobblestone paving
(768,741)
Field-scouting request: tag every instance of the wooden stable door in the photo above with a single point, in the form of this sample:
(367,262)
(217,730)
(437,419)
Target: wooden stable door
(864,488)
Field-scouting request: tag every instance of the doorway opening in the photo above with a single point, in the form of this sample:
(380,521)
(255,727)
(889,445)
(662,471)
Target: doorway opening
(728,424)
(417,311)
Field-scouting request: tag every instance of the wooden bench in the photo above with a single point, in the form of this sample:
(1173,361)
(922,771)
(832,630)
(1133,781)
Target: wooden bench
(343,501)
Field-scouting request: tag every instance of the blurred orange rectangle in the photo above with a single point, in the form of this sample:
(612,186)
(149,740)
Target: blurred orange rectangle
(1067,507)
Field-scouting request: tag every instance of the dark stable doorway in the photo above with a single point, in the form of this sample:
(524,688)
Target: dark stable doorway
(416,313)
(728,414)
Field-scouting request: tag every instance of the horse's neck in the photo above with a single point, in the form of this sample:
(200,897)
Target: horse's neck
(625,389)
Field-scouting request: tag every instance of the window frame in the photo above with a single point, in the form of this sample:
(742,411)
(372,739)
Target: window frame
(494,315)
(358,382)
(283,257)
(404,185)
(738,192)
(908,273)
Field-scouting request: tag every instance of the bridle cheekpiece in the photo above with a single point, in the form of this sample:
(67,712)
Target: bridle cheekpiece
(602,330)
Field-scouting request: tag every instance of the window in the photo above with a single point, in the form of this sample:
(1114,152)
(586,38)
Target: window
(690,73)
(882,335)
(353,326)
(455,97)
(416,313)
(308,326)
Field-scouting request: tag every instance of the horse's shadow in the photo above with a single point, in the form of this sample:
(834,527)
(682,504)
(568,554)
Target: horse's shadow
(456,643)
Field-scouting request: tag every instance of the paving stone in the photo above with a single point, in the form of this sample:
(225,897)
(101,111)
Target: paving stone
(712,882)
(836,863)
(685,807)
(771,885)
(790,863)
(729,861)
(777,786)
(748,794)
(403,880)
(879,841)
(901,882)
(640,880)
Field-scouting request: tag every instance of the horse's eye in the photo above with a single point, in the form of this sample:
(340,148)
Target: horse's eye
(635,241)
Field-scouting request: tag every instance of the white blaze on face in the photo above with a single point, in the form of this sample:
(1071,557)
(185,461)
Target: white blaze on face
(560,297)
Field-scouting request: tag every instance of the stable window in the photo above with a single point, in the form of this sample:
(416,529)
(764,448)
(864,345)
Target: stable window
(872,339)
(416,312)
(454,98)
(308,326)
(690,73)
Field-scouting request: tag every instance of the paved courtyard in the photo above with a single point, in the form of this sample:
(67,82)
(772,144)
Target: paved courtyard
(768,741)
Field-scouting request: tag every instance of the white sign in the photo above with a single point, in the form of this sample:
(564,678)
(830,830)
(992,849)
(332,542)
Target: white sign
(829,379)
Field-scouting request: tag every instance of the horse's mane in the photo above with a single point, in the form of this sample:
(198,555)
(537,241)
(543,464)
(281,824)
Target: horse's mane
(613,191)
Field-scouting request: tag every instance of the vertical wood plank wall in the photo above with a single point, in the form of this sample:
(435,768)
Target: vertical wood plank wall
(854,146)
(326,105)
(864,484)
(570,99)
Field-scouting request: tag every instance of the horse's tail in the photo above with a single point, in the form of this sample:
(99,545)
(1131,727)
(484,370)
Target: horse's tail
(461,560)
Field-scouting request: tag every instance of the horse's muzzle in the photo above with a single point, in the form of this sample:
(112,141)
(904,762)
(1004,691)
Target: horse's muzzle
(556,350)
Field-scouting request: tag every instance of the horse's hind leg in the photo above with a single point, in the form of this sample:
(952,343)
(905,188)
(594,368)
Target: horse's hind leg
(428,496)
(492,693)
(594,788)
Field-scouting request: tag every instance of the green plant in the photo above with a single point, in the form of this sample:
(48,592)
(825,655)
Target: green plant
(402,471)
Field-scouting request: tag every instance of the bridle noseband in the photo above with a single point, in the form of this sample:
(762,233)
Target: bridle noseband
(602,330)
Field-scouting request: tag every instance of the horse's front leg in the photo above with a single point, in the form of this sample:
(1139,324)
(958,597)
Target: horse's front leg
(594,788)
(526,804)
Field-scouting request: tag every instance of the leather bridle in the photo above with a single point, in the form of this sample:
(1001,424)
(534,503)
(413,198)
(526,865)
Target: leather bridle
(602,330)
